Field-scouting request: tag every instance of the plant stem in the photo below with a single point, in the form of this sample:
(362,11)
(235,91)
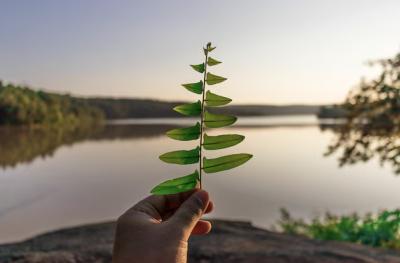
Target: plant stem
(202,118)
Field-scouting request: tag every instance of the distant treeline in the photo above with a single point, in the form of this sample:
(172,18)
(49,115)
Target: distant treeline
(140,108)
(21,105)
(25,106)
(333,111)
(114,108)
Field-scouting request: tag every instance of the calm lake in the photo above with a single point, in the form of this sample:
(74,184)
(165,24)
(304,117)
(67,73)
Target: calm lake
(53,179)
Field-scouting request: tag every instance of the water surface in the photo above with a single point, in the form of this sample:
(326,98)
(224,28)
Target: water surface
(52,179)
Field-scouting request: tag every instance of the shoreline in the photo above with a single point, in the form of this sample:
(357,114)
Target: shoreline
(236,241)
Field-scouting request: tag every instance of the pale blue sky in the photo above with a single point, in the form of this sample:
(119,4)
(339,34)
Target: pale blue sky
(282,51)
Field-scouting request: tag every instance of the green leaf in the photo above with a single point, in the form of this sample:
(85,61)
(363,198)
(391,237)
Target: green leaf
(218,120)
(182,156)
(199,67)
(213,100)
(221,141)
(177,185)
(214,79)
(189,109)
(185,134)
(212,62)
(225,162)
(209,47)
(194,87)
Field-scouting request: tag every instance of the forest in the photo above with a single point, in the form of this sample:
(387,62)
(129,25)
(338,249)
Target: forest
(23,105)
(20,105)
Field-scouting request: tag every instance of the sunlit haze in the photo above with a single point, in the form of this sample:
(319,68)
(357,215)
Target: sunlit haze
(273,51)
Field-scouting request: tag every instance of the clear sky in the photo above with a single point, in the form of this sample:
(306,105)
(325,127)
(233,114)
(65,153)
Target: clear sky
(274,51)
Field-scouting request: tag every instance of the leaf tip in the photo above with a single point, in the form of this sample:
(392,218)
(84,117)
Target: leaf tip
(248,156)
(234,119)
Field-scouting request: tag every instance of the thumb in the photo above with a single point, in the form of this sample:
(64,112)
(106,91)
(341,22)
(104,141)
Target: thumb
(190,212)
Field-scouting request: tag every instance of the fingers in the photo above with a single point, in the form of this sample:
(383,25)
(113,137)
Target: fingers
(204,227)
(153,206)
(209,208)
(174,201)
(161,206)
(190,212)
(201,228)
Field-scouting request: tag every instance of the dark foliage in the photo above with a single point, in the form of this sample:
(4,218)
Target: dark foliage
(133,108)
(376,103)
(23,106)
(372,124)
(139,108)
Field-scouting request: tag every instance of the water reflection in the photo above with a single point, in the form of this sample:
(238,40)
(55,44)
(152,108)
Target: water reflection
(22,145)
(355,143)
(109,168)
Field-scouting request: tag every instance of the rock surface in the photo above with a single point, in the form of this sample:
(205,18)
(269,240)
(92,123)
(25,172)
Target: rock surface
(229,241)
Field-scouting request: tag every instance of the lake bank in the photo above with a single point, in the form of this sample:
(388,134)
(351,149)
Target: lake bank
(236,241)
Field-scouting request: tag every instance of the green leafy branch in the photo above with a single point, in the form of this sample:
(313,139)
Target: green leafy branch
(197,132)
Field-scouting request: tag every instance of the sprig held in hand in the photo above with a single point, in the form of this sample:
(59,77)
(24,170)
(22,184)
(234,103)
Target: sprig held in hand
(197,132)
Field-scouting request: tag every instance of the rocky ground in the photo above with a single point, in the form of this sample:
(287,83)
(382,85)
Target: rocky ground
(228,242)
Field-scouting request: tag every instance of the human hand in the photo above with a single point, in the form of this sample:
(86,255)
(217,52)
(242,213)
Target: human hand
(157,228)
